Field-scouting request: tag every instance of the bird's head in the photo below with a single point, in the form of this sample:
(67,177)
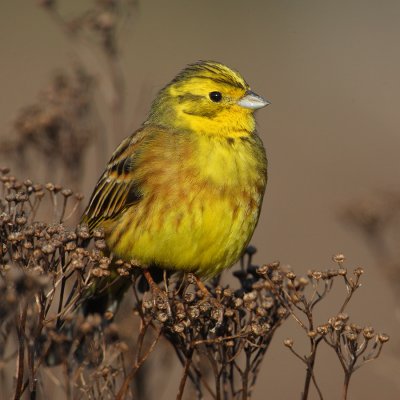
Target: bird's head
(208,98)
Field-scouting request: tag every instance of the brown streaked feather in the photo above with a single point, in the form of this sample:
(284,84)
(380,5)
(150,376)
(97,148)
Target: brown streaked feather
(115,189)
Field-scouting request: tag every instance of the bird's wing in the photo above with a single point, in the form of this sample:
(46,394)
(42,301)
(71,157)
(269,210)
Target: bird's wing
(116,188)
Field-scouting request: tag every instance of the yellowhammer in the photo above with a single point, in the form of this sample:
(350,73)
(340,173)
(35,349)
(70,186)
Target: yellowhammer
(184,192)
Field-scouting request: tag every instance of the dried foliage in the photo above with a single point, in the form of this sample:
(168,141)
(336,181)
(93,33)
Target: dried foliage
(353,345)
(57,129)
(52,135)
(48,272)
(52,347)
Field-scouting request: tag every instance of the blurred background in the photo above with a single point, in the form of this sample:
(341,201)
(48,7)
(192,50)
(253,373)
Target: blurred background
(331,71)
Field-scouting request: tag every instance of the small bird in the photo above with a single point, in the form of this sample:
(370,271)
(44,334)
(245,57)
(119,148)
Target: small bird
(184,192)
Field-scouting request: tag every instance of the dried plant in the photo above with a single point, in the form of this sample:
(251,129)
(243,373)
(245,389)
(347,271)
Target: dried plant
(353,345)
(57,130)
(48,272)
(99,28)
(53,134)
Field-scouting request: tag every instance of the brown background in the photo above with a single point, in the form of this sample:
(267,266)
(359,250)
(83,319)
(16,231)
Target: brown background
(331,70)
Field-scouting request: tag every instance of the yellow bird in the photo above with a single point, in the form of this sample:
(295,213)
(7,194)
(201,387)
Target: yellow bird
(184,192)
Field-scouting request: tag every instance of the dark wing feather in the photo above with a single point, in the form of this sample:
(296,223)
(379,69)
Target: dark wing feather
(116,188)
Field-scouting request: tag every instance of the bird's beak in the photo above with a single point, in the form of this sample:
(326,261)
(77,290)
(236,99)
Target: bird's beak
(252,101)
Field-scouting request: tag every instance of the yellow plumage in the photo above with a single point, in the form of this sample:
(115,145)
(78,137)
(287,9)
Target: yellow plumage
(184,192)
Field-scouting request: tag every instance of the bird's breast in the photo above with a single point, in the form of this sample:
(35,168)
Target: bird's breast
(198,214)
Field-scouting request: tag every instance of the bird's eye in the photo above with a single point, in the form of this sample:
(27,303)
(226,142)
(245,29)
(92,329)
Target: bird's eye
(216,96)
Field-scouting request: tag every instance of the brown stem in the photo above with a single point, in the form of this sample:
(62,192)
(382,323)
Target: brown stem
(125,386)
(21,354)
(185,375)
(245,376)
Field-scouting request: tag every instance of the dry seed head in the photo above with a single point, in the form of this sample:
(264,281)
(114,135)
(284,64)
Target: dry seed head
(256,328)
(104,262)
(312,334)
(274,265)
(161,303)
(250,296)
(216,314)
(238,302)
(122,272)
(351,336)
(100,244)
(67,192)
(250,305)
(342,271)
(21,197)
(189,297)
(323,329)
(194,312)
(70,246)
(205,306)
(288,343)
(267,303)
(83,232)
(368,332)
(317,275)
(282,312)
(39,194)
(71,236)
(147,304)
(162,316)
(332,273)
(294,298)
(343,317)
(191,279)
(383,338)
(291,275)
(356,328)
(261,312)
(339,258)
(338,325)
(179,327)
(98,233)
(28,245)
(267,285)
(97,272)
(229,312)
(358,271)
(48,249)
(49,186)
(10,197)
(78,263)
(263,270)
(277,279)
(303,282)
